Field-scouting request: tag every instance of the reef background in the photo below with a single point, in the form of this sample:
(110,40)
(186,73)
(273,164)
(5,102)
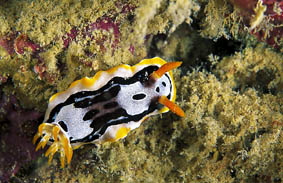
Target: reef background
(230,86)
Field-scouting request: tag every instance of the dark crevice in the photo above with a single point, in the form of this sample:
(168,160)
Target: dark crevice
(251,137)
(198,48)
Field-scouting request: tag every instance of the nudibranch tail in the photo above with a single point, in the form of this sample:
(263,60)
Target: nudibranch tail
(171,105)
(61,142)
(163,69)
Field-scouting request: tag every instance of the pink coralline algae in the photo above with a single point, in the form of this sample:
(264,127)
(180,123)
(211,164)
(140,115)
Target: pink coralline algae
(22,42)
(17,128)
(264,19)
(69,37)
(7,42)
(106,24)
(18,43)
(103,24)
(274,15)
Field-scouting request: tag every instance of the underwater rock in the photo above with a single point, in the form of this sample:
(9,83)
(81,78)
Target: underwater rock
(233,130)
(17,128)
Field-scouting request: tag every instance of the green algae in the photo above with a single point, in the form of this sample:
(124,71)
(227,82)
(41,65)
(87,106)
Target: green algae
(232,131)
(215,22)
(258,67)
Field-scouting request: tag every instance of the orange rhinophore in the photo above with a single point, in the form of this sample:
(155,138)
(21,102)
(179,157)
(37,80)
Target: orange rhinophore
(171,105)
(165,68)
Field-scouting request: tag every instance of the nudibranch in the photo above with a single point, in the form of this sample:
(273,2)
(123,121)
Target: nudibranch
(104,108)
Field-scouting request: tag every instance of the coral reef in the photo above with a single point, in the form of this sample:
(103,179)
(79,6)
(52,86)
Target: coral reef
(230,86)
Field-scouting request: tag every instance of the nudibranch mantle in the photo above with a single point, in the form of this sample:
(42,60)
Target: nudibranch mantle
(106,107)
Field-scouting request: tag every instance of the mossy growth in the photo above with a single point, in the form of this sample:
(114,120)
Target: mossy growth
(232,131)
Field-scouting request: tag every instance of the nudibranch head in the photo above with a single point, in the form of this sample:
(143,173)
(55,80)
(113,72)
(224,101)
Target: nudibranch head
(106,107)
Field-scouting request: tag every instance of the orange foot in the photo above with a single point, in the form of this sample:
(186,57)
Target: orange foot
(61,142)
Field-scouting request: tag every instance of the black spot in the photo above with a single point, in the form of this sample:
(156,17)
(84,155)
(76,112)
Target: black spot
(163,83)
(139,96)
(63,125)
(157,89)
(90,114)
(110,105)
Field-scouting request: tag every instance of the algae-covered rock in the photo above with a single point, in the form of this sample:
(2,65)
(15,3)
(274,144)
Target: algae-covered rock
(230,87)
